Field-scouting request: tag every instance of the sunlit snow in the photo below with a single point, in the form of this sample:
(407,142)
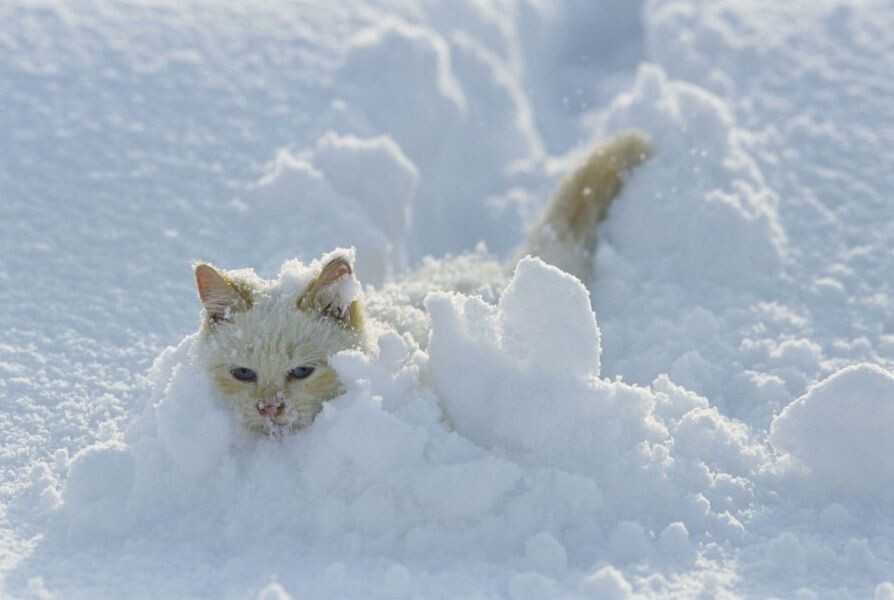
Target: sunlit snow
(710,414)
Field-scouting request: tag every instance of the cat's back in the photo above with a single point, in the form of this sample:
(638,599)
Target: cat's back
(398,304)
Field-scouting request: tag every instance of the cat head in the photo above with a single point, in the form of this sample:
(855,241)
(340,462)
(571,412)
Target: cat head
(267,345)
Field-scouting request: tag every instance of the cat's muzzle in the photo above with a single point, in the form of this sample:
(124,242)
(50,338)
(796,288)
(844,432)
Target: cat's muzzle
(271,409)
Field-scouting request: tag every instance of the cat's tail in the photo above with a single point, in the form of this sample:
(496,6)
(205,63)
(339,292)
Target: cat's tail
(566,234)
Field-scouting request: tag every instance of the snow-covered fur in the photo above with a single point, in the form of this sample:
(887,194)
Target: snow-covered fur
(267,345)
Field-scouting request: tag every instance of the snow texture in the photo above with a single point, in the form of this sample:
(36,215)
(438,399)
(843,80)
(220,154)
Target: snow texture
(711,414)
(841,431)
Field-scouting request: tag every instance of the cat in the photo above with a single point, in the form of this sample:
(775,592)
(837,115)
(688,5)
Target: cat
(267,347)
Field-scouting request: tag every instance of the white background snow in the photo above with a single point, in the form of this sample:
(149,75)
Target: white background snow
(720,424)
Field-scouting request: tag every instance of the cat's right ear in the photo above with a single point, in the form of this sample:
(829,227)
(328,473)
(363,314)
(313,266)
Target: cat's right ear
(218,295)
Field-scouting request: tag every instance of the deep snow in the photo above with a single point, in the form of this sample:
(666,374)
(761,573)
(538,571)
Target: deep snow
(712,415)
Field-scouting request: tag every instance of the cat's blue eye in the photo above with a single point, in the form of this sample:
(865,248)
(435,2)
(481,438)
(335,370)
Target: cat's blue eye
(300,372)
(243,374)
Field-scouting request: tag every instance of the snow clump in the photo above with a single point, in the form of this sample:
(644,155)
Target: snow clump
(842,432)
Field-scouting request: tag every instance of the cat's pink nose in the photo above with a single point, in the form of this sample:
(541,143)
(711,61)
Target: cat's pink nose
(271,409)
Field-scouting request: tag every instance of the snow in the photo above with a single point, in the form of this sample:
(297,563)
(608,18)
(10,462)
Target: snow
(363,187)
(607,582)
(841,432)
(545,553)
(536,460)
(711,413)
(546,323)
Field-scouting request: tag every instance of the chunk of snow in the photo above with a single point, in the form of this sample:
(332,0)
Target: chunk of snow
(546,554)
(842,431)
(884,591)
(531,586)
(546,323)
(606,583)
(628,542)
(674,542)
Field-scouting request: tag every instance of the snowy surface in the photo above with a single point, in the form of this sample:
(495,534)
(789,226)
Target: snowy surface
(713,414)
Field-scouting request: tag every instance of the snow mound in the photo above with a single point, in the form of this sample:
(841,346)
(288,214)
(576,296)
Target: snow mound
(361,188)
(543,461)
(725,210)
(376,173)
(546,323)
(378,66)
(606,583)
(431,93)
(99,481)
(842,431)
(691,254)
(506,387)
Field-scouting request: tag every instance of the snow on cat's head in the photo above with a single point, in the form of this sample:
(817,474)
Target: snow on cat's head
(266,344)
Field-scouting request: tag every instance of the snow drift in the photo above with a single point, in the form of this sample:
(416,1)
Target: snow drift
(525,451)
(842,432)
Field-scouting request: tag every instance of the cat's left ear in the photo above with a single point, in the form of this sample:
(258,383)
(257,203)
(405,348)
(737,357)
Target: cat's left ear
(335,293)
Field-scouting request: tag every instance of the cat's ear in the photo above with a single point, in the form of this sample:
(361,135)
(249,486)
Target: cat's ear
(219,296)
(334,293)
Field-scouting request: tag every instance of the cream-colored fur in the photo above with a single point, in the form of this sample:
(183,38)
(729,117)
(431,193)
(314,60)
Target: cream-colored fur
(253,326)
(250,324)
(566,234)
